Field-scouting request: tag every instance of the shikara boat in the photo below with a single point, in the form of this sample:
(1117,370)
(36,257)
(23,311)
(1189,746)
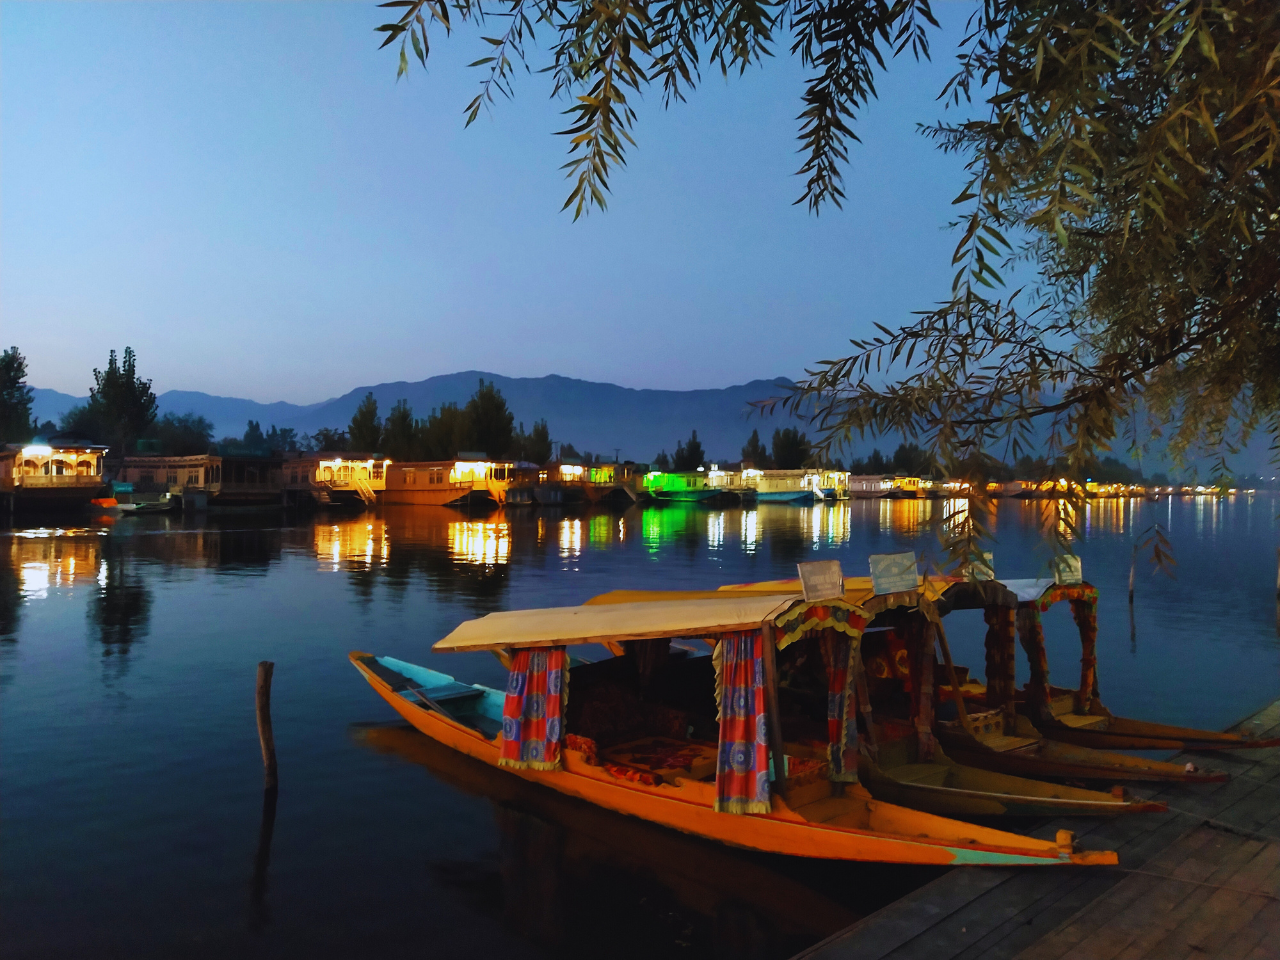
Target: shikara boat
(1076,717)
(974,770)
(1000,738)
(641,733)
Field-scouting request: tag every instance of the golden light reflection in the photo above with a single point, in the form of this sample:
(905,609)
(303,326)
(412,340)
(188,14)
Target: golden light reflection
(715,531)
(363,541)
(480,542)
(905,516)
(750,530)
(570,538)
(46,562)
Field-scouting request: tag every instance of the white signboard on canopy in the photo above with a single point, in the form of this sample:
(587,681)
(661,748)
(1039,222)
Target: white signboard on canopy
(821,580)
(894,572)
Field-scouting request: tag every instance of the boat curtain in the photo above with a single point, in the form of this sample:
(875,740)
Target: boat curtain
(742,764)
(1031,634)
(1085,614)
(838,655)
(534,709)
(1000,645)
(921,638)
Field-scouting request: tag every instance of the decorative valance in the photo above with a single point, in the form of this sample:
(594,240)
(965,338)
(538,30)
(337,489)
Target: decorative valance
(804,618)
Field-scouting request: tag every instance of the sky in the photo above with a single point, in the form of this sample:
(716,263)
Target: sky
(245,194)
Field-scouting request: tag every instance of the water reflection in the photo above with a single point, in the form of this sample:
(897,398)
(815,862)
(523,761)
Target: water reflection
(120,609)
(575,878)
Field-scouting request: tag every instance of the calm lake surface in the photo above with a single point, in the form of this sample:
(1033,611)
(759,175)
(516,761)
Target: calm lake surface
(131,779)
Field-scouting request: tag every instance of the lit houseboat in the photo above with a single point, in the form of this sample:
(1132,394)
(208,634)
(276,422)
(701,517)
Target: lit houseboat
(448,482)
(55,474)
(323,479)
(694,486)
(788,486)
(207,480)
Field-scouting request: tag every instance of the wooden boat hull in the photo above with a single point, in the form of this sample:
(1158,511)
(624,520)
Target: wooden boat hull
(892,835)
(784,496)
(1062,761)
(1120,733)
(974,792)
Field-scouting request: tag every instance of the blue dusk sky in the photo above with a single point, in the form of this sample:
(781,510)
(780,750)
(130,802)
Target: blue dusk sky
(245,194)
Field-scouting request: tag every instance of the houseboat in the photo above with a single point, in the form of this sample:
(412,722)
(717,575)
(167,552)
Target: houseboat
(689,741)
(834,484)
(466,479)
(208,481)
(324,479)
(787,486)
(57,474)
(868,486)
(694,486)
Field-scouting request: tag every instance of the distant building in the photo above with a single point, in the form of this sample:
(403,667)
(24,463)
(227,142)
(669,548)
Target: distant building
(207,480)
(59,473)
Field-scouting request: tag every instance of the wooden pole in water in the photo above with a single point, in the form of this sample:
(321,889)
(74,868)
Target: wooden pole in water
(1278,573)
(1133,562)
(265,736)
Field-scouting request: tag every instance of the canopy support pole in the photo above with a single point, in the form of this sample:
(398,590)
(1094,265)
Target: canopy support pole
(955,686)
(771,705)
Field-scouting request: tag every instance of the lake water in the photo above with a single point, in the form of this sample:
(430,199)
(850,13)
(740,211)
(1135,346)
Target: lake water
(130,775)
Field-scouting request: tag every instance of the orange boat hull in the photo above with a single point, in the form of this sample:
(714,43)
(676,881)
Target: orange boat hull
(687,805)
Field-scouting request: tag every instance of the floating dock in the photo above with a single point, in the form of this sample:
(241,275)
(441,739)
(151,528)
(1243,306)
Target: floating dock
(1202,880)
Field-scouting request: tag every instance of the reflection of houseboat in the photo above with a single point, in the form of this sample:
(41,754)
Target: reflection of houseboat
(693,486)
(445,482)
(353,480)
(57,474)
(207,480)
(787,486)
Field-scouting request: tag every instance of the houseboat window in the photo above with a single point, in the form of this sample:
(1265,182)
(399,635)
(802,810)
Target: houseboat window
(30,468)
(250,475)
(377,471)
(147,477)
(84,468)
(193,478)
(293,475)
(326,474)
(171,477)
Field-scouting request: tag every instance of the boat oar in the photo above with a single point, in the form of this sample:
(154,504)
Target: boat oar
(431,704)
(951,675)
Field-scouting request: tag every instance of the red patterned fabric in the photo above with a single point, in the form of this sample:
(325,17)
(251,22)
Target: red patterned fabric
(842,724)
(742,765)
(532,715)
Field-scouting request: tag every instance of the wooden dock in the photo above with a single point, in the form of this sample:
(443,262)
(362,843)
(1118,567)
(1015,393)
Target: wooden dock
(1202,880)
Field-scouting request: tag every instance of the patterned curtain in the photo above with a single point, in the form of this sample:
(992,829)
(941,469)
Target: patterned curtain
(838,654)
(742,766)
(1085,612)
(532,715)
(1001,684)
(1031,633)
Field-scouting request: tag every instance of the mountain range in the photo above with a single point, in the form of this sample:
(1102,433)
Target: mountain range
(596,417)
(599,417)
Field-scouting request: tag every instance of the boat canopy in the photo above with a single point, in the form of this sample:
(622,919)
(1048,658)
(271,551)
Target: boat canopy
(857,590)
(617,622)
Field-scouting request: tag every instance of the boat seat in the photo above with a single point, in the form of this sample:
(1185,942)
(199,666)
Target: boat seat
(1005,744)
(929,774)
(1079,721)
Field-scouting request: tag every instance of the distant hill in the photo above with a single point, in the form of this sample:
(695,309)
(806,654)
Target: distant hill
(592,416)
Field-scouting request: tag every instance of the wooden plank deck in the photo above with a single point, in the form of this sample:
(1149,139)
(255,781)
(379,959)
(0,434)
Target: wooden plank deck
(1202,880)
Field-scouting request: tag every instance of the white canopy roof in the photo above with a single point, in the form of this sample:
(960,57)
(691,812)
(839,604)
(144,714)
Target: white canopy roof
(1028,590)
(560,626)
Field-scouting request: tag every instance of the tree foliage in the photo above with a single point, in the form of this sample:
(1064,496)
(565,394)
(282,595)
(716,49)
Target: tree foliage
(689,455)
(489,422)
(534,446)
(120,409)
(181,435)
(605,52)
(791,448)
(16,423)
(365,430)
(755,454)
